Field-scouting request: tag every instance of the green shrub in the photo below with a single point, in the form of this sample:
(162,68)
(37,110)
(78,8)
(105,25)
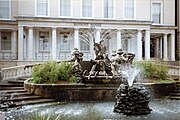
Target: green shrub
(153,69)
(51,72)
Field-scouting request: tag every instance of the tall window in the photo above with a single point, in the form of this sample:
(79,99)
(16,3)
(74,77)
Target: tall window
(44,43)
(108,8)
(42,7)
(4,9)
(65,7)
(86,8)
(64,42)
(5,40)
(129,9)
(156,12)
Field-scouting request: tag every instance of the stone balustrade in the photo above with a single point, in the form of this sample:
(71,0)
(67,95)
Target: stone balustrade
(173,71)
(16,72)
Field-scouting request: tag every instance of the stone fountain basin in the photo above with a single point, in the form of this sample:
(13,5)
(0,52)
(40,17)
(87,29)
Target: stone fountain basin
(91,92)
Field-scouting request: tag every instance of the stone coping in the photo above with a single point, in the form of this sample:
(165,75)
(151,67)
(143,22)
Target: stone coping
(91,92)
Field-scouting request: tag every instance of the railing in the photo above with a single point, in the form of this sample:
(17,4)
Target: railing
(26,71)
(16,72)
(8,56)
(173,71)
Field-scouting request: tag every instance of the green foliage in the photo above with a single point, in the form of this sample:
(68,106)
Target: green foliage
(153,69)
(51,72)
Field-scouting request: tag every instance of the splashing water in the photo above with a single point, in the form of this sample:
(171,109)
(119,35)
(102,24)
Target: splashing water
(130,73)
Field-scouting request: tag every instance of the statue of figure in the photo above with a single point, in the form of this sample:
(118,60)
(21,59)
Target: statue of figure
(119,59)
(77,57)
(114,65)
(99,67)
(100,49)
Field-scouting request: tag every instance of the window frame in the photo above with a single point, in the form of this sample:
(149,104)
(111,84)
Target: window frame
(82,8)
(59,10)
(59,42)
(49,41)
(124,11)
(48,13)
(161,4)
(114,10)
(9,11)
(10,40)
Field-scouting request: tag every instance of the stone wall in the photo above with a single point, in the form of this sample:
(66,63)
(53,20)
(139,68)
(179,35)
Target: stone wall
(89,92)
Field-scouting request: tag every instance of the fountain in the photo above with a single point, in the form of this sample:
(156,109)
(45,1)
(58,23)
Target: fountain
(130,99)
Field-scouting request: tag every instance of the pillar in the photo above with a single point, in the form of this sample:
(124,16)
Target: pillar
(30,44)
(54,43)
(147,44)
(157,47)
(139,45)
(76,39)
(20,42)
(119,44)
(161,43)
(165,48)
(14,44)
(172,47)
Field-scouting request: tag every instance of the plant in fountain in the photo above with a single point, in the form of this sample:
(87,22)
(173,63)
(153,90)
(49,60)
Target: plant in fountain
(153,71)
(52,72)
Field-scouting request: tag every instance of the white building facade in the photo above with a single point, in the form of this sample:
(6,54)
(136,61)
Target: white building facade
(40,30)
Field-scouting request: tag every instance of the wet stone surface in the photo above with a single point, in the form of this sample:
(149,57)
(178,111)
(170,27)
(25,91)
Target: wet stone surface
(162,109)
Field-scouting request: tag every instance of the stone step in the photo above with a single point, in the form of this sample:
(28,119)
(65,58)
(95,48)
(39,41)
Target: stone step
(25,98)
(175,94)
(38,101)
(177,91)
(24,78)
(17,94)
(174,97)
(11,85)
(16,81)
(11,88)
(29,102)
(12,91)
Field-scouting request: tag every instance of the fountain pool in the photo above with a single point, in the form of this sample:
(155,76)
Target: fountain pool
(163,109)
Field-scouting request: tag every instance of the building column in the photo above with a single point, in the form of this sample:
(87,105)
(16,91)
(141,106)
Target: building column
(147,44)
(165,48)
(14,44)
(161,43)
(119,44)
(20,42)
(172,47)
(76,39)
(98,36)
(30,44)
(157,47)
(139,45)
(54,43)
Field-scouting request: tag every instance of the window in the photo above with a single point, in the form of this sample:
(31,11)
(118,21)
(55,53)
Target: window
(86,8)
(4,9)
(129,9)
(84,46)
(44,43)
(64,42)
(5,40)
(108,8)
(65,7)
(156,12)
(42,8)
